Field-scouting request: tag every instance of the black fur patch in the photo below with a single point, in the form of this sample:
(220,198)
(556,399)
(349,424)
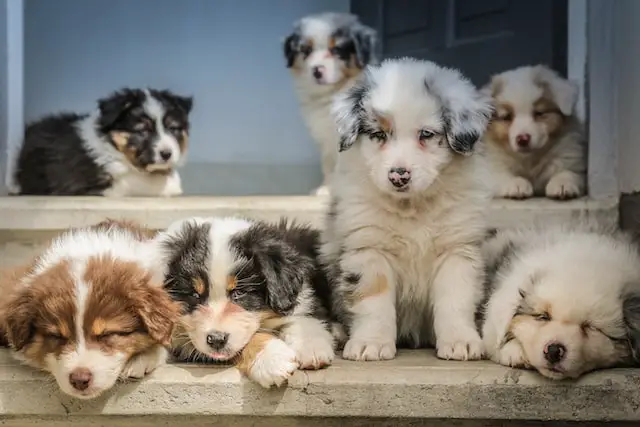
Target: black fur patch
(631,315)
(352,278)
(355,98)
(291,47)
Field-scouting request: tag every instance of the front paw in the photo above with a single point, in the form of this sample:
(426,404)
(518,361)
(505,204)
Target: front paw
(516,188)
(511,354)
(361,350)
(274,364)
(322,191)
(564,186)
(173,186)
(144,363)
(316,352)
(466,347)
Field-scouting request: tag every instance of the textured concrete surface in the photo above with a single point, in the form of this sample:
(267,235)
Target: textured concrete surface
(415,386)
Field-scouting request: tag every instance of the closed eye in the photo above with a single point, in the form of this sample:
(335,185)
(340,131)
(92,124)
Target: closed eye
(543,317)
(56,336)
(380,136)
(109,334)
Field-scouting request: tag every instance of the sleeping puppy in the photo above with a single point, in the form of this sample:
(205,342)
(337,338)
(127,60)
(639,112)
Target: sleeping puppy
(563,300)
(406,217)
(534,141)
(130,146)
(89,309)
(251,291)
(325,53)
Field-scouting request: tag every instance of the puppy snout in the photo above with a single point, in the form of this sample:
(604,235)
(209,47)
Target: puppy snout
(165,155)
(317,72)
(80,378)
(399,177)
(523,140)
(554,352)
(217,340)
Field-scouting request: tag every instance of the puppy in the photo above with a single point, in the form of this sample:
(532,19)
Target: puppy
(406,216)
(534,141)
(325,53)
(250,291)
(563,300)
(130,146)
(89,309)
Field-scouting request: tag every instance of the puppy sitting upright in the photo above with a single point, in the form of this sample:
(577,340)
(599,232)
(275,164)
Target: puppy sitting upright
(325,53)
(534,141)
(252,292)
(130,146)
(564,300)
(406,214)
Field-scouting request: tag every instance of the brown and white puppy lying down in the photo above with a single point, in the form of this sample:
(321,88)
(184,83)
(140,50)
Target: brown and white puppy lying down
(89,309)
(251,292)
(563,300)
(535,143)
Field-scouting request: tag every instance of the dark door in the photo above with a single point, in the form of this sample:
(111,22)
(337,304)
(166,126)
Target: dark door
(480,37)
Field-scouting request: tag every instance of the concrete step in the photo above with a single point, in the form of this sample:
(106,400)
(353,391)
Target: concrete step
(410,390)
(26,222)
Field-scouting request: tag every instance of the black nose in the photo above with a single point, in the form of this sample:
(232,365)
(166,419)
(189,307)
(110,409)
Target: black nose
(317,72)
(165,154)
(555,352)
(217,340)
(399,177)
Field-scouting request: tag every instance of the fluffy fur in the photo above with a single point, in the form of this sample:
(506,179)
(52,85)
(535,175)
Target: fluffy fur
(130,146)
(325,53)
(89,309)
(236,277)
(406,215)
(563,300)
(534,141)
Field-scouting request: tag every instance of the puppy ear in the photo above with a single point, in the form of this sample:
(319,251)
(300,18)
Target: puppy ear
(113,106)
(564,92)
(631,315)
(348,112)
(17,319)
(365,41)
(291,48)
(158,311)
(465,110)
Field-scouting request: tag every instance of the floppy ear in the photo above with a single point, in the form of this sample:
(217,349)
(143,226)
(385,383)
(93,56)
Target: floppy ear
(631,315)
(158,311)
(465,110)
(284,270)
(365,41)
(17,320)
(113,106)
(290,46)
(348,112)
(563,91)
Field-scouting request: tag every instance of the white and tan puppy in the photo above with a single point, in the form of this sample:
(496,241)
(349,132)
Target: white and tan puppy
(562,300)
(534,141)
(406,215)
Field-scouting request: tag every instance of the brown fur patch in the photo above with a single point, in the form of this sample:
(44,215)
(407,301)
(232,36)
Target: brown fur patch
(250,352)
(232,282)
(183,141)
(198,285)
(384,122)
(121,142)
(366,290)
(546,111)
(498,128)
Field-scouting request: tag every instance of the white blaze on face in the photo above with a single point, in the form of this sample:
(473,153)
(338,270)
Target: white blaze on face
(166,150)
(321,60)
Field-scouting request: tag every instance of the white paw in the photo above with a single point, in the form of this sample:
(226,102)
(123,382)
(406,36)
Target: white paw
(516,188)
(360,350)
(316,352)
(321,191)
(563,186)
(173,186)
(144,363)
(468,347)
(274,364)
(511,354)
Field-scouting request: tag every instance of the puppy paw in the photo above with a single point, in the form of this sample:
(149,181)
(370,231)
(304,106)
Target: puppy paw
(511,354)
(315,353)
(321,191)
(144,363)
(516,188)
(361,350)
(460,348)
(274,364)
(173,186)
(564,186)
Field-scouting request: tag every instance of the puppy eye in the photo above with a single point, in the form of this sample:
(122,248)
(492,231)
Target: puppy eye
(379,136)
(543,317)
(425,135)
(175,128)
(195,295)
(505,117)
(109,334)
(235,295)
(305,50)
(539,114)
(56,336)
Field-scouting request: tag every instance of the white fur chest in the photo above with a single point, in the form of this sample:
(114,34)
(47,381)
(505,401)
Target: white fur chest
(317,116)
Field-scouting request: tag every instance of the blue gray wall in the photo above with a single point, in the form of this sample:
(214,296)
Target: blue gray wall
(246,122)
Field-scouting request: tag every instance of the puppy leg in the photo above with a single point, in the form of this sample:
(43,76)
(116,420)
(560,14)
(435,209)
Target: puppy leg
(172,185)
(514,187)
(565,185)
(267,360)
(368,285)
(511,354)
(145,363)
(456,292)
(328,165)
(311,340)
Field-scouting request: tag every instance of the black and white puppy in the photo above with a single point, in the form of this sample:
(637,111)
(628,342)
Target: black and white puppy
(407,213)
(130,146)
(239,278)
(325,53)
